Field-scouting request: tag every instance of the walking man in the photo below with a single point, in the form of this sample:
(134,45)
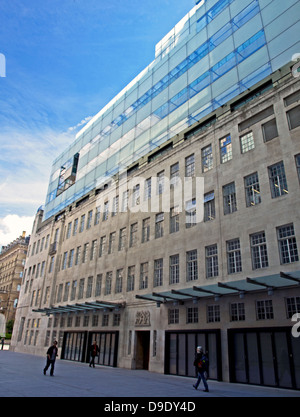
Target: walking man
(94,352)
(51,358)
(201,364)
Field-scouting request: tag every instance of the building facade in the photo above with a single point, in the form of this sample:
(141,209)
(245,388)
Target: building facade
(192,241)
(12,263)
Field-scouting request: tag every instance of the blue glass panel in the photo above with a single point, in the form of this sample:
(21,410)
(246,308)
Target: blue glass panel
(251,46)
(223,66)
(245,15)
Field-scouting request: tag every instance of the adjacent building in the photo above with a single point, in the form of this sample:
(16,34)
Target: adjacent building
(12,263)
(173,219)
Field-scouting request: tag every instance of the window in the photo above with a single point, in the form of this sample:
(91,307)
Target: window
(158,272)
(191,265)
(81,288)
(89,220)
(98,285)
(174,174)
(105,211)
(71,257)
(269,130)
(105,320)
(207,158)
(209,206)
(226,149)
(84,253)
(147,191)
(116,319)
(173,316)
(119,281)
(66,293)
(125,201)
(297,158)
(237,312)
(213,313)
(247,142)
(229,198)
(69,230)
(89,287)
(160,182)
(112,238)
(108,283)
(278,181)
(73,290)
(288,250)
(174,219)
(122,239)
(75,227)
(136,195)
(293,117)
(133,234)
(64,262)
(144,276)
(234,259)
(159,225)
(146,230)
(93,250)
(264,310)
(82,221)
(192,315)
(97,216)
(174,269)
(77,257)
(115,207)
(130,278)
(212,266)
(259,251)
(190,213)
(252,190)
(190,166)
(292,306)
(102,245)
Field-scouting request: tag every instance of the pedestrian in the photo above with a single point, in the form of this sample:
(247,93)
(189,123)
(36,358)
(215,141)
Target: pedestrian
(2,343)
(94,349)
(201,364)
(51,358)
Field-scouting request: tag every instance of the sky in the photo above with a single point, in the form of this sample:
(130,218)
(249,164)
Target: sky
(61,61)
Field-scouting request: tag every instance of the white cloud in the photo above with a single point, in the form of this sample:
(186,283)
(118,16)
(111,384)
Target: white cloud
(12,226)
(83,122)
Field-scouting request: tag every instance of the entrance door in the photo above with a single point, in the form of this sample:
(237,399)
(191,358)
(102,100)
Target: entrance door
(264,356)
(142,349)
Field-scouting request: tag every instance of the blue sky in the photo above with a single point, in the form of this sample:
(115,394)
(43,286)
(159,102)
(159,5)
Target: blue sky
(65,60)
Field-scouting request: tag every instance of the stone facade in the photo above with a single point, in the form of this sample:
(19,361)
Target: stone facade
(242,166)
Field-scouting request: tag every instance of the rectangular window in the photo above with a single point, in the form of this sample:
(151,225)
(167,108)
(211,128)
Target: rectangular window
(105,211)
(174,219)
(108,283)
(192,315)
(75,227)
(125,201)
(93,250)
(130,278)
(297,159)
(111,244)
(252,190)
(191,265)
(89,287)
(207,158)
(97,215)
(71,257)
(122,239)
(209,206)
(288,250)
(234,259)
(190,213)
(89,219)
(115,207)
(212,266)
(84,253)
(98,285)
(173,316)
(269,130)
(119,281)
(82,221)
(174,269)
(133,234)
(292,306)
(73,290)
(147,191)
(159,225)
(225,149)
(190,166)
(259,250)
(81,288)
(102,246)
(64,262)
(160,182)
(158,272)
(264,310)
(247,142)
(136,195)
(237,312)
(174,175)
(278,183)
(146,230)
(77,257)
(229,198)
(213,313)
(69,229)
(144,276)
(293,117)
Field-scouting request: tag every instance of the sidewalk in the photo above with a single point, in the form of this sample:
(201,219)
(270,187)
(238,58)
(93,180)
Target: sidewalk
(22,376)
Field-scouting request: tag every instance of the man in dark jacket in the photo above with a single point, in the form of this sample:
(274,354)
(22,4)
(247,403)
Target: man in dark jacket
(201,364)
(51,358)
(94,349)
